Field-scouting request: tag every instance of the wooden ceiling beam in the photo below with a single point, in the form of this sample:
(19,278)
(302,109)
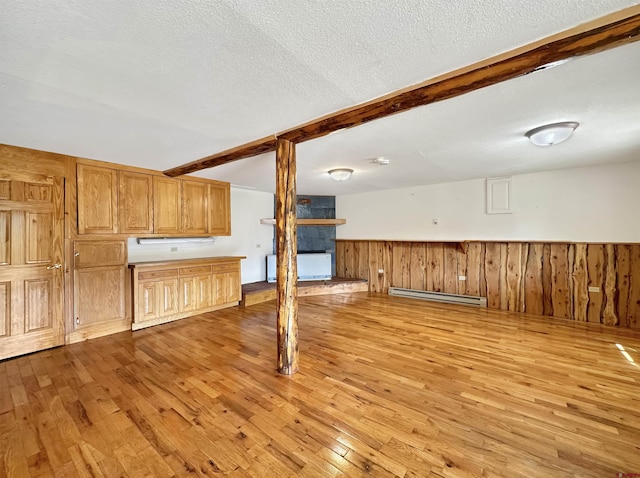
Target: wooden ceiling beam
(607,32)
(259,146)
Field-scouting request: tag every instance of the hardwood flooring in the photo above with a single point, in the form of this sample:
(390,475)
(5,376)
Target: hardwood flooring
(387,387)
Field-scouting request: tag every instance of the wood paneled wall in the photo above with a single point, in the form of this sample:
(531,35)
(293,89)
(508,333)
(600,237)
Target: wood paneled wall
(540,278)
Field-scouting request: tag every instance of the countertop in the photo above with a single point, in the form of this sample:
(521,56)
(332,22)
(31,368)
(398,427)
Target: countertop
(185,262)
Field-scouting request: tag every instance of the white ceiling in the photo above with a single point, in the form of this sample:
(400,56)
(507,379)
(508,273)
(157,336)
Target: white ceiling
(158,84)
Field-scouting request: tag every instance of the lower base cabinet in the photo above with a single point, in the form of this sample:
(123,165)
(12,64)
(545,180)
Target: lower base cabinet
(172,290)
(100,294)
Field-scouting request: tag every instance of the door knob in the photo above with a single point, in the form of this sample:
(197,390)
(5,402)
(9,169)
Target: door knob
(54,266)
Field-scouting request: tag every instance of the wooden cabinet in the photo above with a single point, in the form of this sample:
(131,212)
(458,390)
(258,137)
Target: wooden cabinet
(97,200)
(135,203)
(219,209)
(99,289)
(157,298)
(226,287)
(167,202)
(172,290)
(195,197)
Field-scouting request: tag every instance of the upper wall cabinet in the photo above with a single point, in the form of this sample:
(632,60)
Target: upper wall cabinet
(219,209)
(166,205)
(136,202)
(97,200)
(195,197)
(135,197)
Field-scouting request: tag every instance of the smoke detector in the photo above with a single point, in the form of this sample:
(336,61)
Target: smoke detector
(380,161)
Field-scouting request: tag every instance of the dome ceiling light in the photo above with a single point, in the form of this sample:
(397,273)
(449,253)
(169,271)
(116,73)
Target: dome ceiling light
(340,174)
(551,134)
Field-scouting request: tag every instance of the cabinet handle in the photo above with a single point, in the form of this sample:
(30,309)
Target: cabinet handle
(76,254)
(54,266)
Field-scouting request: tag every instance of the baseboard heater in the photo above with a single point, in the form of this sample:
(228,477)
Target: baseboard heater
(439,296)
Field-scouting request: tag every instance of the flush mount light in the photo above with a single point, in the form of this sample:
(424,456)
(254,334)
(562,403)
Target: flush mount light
(340,174)
(551,134)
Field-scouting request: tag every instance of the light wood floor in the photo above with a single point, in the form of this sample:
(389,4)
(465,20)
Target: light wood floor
(387,387)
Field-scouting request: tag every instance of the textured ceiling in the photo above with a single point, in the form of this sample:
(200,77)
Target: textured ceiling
(157,84)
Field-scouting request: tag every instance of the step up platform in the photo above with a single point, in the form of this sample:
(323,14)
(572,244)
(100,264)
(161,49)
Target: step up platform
(257,292)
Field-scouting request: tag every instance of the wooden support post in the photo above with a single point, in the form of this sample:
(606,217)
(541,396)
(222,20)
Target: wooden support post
(286,260)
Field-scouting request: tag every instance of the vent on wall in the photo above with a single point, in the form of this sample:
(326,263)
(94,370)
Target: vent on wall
(439,297)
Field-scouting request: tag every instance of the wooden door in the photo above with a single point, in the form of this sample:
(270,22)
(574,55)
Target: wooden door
(97,200)
(31,263)
(194,207)
(166,205)
(135,192)
(219,209)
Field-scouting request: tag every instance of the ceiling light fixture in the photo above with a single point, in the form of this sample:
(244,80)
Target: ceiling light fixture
(340,174)
(551,134)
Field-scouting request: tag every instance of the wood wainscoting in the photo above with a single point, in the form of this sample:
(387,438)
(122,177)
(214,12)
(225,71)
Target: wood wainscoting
(544,278)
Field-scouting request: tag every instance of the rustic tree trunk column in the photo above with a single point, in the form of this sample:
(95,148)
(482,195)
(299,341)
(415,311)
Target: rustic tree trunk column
(286,260)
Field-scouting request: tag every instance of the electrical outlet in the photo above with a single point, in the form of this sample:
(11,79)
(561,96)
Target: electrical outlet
(462,277)
(435,220)
(380,271)
(594,289)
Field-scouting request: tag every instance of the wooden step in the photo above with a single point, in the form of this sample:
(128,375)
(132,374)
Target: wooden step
(257,292)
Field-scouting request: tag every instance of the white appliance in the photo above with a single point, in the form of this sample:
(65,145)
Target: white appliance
(310,267)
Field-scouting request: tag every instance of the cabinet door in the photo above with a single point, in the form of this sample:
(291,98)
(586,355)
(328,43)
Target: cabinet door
(157,299)
(99,295)
(99,282)
(168,294)
(219,209)
(166,205)
(188,294)
(204,291)
(148,301)
(135,203)
(97,200)
(233,287)
(194,207)
(220,282)
(88,254)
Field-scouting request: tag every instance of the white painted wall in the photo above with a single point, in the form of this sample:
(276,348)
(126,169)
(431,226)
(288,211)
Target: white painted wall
(249,238)
(592,204)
